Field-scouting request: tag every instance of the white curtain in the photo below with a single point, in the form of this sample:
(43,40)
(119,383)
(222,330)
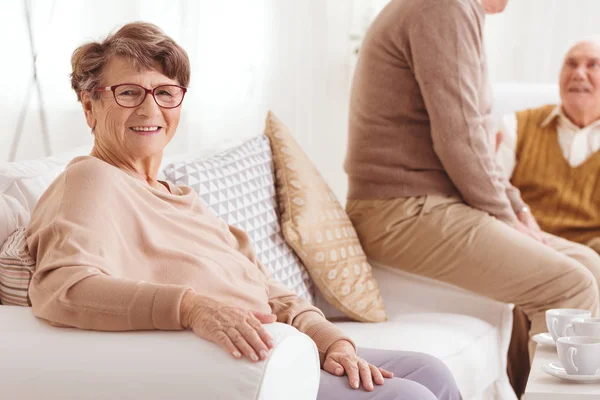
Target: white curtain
(248,56)
(527,42)
(292,56)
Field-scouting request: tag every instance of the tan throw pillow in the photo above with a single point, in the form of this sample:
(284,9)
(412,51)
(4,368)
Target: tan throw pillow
(16,269)
(316,226)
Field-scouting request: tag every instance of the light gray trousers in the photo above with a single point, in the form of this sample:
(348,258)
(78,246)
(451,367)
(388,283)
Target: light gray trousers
(417,376)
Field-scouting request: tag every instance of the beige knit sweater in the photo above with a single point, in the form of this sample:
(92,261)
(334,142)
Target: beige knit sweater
(420,109)
(115,254)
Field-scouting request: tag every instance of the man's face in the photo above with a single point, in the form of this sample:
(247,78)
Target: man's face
(580,79)
(494,6)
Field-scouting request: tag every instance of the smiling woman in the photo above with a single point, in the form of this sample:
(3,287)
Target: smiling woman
(112,80)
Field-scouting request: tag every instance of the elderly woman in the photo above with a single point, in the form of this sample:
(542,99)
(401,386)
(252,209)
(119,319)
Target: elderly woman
(119,250)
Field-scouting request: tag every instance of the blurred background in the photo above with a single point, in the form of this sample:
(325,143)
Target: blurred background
(295,57)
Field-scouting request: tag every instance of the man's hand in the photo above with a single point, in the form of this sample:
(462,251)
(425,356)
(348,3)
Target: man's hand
(341,357)
(528,225)
(499,139)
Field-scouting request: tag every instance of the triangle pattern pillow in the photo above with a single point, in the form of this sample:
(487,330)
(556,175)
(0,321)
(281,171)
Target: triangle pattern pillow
(239,186)
(316,226)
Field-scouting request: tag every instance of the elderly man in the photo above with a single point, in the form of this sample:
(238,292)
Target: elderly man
(425,192)
(552,152)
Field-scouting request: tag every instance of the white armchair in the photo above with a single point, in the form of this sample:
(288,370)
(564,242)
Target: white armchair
(39,361)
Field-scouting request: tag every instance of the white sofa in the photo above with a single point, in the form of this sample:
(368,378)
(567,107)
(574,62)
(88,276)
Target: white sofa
(468,332)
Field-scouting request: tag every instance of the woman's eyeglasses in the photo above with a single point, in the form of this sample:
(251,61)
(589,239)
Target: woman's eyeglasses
(130,95)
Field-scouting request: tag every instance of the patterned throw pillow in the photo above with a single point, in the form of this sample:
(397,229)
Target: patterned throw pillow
(317,228)
(16,269)
(238,185)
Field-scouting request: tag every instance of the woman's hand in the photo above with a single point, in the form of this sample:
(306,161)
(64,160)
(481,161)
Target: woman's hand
(341,357)
(236,330)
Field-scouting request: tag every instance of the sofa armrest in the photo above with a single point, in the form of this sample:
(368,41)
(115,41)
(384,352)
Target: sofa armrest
(40,361)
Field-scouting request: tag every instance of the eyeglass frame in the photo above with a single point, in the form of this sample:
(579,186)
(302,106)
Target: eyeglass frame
(146,92)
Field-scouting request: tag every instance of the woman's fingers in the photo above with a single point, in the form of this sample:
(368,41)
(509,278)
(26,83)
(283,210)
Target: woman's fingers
(365,374)
(254,339)
(265,318)
(385,373)
(333,367)
(351,368)
(225,342)
(376,374)
(262,332)
(240,342)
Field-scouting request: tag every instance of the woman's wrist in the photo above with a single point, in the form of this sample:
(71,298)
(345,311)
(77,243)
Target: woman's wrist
(341,345)
(186,305)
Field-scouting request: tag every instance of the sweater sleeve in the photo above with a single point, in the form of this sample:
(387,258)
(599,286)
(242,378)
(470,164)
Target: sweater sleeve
(76,283)
(446,53)
(291,309)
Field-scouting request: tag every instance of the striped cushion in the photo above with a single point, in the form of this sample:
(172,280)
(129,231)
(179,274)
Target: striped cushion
(16,269)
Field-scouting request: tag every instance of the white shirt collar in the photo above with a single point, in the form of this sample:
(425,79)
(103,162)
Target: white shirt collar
(558,112)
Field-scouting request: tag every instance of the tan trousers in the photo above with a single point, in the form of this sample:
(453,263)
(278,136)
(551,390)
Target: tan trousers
(445,239)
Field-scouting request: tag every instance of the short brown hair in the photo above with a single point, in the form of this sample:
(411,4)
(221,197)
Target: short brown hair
(142,43)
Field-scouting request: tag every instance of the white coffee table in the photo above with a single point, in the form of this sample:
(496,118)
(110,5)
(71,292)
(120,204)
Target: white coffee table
(542,386)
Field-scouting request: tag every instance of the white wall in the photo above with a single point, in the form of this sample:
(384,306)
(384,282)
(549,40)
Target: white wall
(291,56)
(527,42)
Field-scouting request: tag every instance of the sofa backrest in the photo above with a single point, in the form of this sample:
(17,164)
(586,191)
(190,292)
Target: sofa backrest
(22,184)
(511,97)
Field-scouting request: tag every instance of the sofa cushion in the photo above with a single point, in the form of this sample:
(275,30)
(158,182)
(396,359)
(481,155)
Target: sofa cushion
(16,269)
(318,229)
(22,184)
(468,346)
(238,185)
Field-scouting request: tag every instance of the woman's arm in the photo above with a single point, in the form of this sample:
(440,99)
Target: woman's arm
(76,245)
(68,289)
(291,309)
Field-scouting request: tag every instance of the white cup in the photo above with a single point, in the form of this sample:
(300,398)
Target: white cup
(558,319)
(579,355)
(583,327)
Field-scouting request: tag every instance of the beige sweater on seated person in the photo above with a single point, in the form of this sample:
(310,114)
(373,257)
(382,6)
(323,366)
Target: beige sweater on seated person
(115,254)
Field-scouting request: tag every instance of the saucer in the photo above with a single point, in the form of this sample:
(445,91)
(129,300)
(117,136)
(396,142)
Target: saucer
(556,369)
(544,338)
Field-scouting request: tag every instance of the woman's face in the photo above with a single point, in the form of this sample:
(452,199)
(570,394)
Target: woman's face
(131,134)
